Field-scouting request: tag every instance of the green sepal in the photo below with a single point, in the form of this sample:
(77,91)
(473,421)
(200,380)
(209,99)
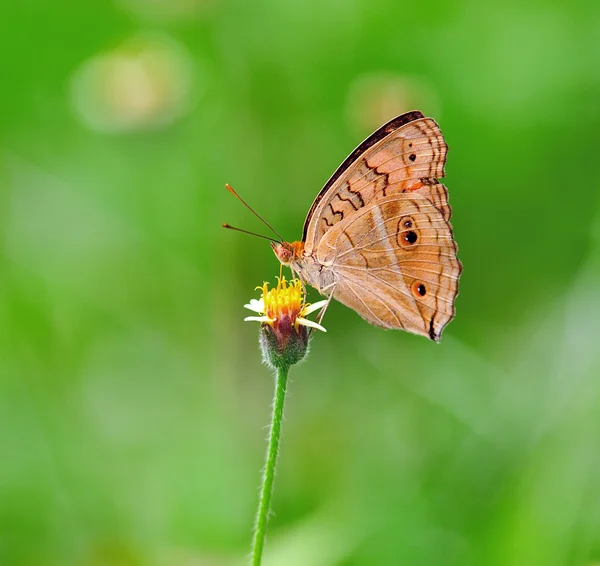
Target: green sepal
(282,344)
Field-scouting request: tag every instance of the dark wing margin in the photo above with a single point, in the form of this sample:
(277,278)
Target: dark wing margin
(375,137)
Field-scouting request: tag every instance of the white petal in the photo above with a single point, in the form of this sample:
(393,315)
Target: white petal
(310,323)
(259,319)
(256,305)
(314,307)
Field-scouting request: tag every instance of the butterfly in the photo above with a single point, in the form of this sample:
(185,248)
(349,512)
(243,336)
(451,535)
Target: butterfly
(378,238)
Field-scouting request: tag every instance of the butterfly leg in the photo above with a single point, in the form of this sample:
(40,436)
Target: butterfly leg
(326,305)
(296,275)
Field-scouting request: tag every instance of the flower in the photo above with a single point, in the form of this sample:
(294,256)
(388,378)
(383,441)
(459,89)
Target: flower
(285,300)
(283,311)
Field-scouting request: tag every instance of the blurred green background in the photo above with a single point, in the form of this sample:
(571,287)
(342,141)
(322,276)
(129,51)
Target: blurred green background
(133,402)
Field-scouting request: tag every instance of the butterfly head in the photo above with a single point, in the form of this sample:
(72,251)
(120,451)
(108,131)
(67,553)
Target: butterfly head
(287,252)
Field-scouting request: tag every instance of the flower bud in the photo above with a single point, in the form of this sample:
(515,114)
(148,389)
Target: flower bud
(283,334)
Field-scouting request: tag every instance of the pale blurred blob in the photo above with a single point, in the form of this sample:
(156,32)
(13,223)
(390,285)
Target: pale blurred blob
(321,539)
(374,99)
(145,83)
(167,10)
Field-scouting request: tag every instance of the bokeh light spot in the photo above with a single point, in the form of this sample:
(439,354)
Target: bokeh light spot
(374,99)
(146,83)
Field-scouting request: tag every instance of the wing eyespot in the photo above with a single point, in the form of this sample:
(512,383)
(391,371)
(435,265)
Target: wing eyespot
(410,237)
(418,289)
(406,234)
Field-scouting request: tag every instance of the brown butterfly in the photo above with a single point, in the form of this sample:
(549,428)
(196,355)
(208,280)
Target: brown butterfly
(378,237)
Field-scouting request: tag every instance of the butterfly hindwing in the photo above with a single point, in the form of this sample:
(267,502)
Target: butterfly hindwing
(394,262)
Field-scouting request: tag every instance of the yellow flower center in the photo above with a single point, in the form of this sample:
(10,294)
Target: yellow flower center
(285,299)
(284,306)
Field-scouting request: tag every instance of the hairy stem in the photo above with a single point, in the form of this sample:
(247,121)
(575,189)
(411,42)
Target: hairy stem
(266,490)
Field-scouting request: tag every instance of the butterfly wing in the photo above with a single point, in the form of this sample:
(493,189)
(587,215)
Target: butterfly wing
(394,262)
(406,154)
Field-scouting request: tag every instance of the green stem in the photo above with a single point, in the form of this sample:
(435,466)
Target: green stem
(264,504)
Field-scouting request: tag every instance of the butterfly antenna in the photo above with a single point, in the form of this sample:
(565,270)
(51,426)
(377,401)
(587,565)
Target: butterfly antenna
(228,187)
(229,227)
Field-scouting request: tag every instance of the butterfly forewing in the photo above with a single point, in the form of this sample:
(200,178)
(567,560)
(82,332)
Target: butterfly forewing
(404,155)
